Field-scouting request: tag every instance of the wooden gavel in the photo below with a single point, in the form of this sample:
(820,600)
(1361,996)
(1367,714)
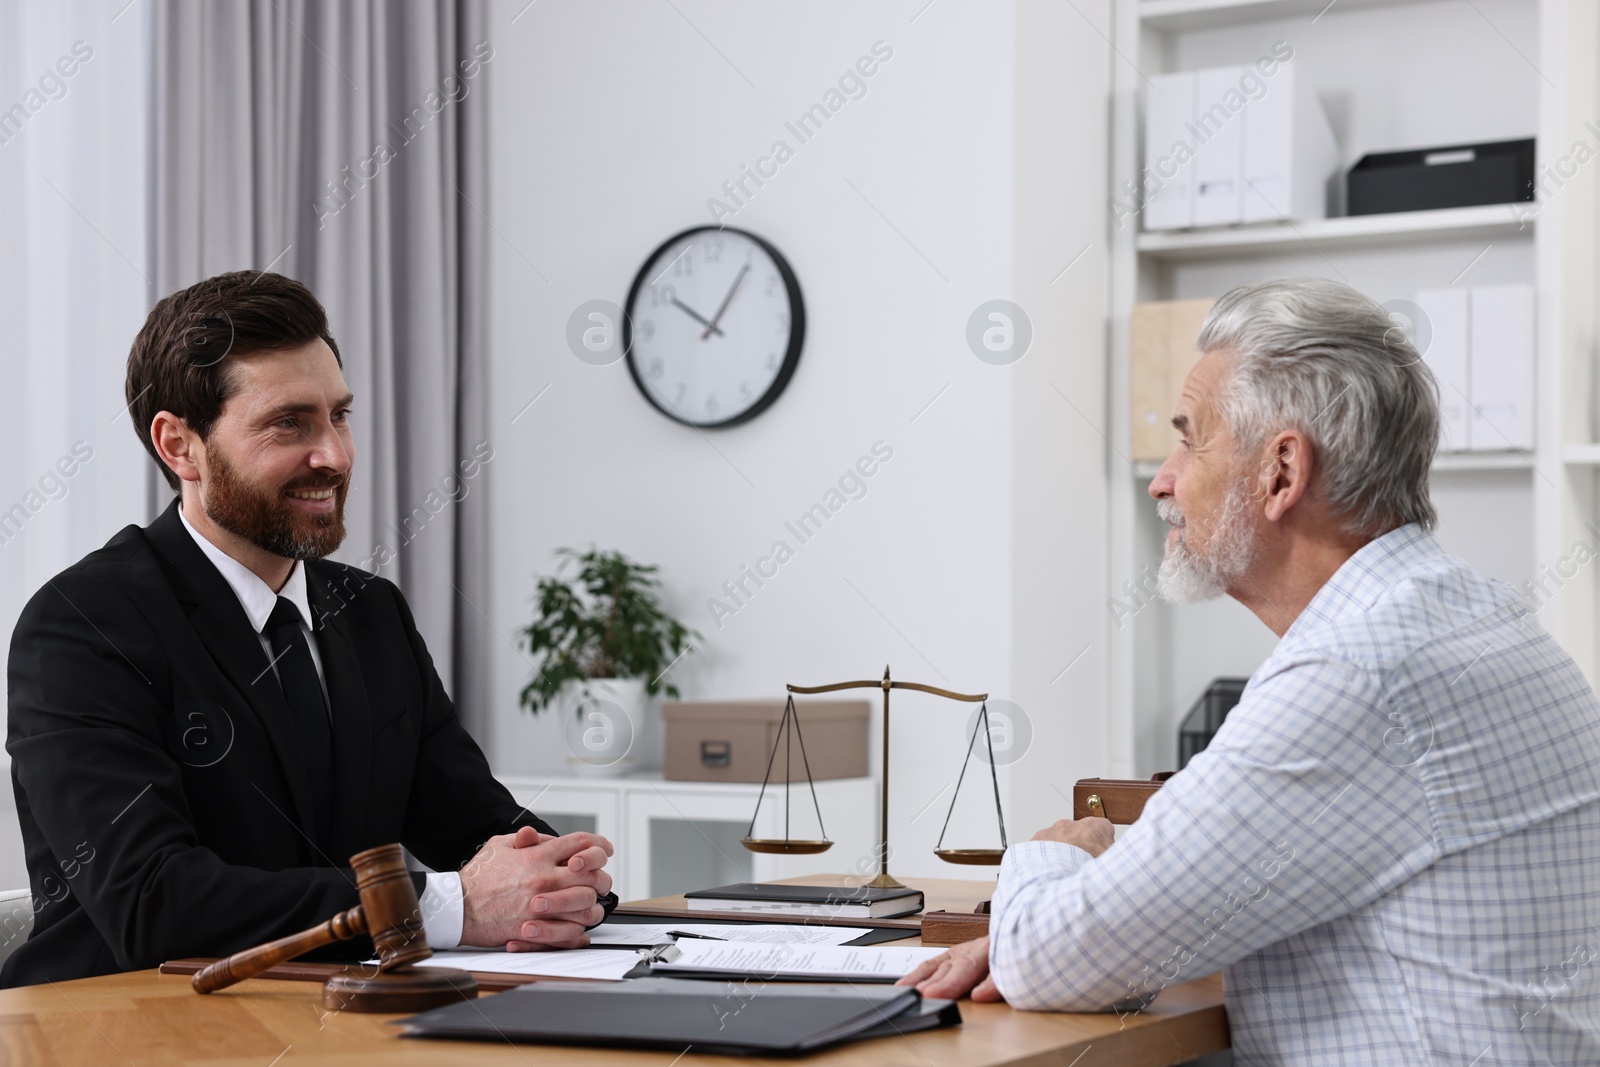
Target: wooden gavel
(390,914)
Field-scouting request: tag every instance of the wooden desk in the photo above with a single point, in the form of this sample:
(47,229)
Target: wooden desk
(145,1017)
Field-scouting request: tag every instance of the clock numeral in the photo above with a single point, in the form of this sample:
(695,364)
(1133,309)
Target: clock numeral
(647,329)
(656,369)
(711,404)
(662,296)
(713,248)
(783,322)
(744,391)
(683,266)
(772,284)
(683,387)
(772,361)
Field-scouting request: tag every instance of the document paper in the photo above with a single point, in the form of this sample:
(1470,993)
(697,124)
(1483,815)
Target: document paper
(788,961)
(603,963)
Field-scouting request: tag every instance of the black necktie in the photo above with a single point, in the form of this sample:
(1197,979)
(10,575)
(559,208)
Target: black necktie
(307,709)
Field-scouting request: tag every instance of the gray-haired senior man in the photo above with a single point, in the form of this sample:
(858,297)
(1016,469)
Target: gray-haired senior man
(1392,847)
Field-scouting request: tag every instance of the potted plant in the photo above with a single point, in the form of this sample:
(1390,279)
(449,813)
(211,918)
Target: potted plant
(601,642)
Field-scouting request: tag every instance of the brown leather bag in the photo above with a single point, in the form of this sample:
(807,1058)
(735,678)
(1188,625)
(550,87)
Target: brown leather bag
(1120,800)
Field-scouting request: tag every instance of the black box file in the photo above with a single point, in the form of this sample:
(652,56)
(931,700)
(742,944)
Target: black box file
(1500,172)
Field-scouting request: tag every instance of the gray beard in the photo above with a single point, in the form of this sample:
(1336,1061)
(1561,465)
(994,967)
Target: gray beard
(1190,577)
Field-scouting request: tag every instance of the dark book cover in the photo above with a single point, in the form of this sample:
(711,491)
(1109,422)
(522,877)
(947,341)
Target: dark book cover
(821,895)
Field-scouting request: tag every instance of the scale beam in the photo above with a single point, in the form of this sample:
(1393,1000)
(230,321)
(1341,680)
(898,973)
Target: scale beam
(971,698)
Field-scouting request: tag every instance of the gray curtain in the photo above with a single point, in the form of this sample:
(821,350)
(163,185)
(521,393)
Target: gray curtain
(343,144)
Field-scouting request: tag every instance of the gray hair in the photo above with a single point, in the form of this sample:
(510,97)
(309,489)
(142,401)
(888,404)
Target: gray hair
(1316,356)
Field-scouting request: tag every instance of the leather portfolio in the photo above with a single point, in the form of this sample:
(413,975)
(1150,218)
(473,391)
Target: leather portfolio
(679,1015)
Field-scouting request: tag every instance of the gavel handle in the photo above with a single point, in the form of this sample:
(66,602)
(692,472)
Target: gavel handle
(252,961)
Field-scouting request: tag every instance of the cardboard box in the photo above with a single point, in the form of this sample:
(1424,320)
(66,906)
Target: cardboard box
(1161,352)
(731,740)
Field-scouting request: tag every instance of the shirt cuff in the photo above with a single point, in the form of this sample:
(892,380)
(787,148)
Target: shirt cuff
(1030,861)
(1027,859)
(442,910)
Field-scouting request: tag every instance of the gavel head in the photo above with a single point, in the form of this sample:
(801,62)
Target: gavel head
(389,904)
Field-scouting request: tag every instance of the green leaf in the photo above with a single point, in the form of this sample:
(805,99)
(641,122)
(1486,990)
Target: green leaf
(604,621)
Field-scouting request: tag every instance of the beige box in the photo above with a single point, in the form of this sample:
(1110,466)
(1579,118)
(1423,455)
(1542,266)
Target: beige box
(731,740)
(1161,352)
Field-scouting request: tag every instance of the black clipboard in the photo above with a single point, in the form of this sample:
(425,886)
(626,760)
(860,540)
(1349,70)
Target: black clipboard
(730,1018)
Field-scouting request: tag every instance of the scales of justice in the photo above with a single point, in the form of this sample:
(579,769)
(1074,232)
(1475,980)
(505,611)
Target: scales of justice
(789,732)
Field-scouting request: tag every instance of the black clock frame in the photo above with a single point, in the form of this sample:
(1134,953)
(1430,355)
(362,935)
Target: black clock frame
(791,358)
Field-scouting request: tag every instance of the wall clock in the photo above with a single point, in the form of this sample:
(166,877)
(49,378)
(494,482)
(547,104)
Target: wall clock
(714,326)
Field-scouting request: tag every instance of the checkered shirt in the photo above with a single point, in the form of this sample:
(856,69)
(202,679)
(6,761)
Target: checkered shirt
(1391,848)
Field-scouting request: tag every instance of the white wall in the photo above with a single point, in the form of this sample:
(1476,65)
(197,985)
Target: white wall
(610,128)
(1060,512)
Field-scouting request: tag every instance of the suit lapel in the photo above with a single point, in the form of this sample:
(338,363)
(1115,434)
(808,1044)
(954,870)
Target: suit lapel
(220,623)
(352,719)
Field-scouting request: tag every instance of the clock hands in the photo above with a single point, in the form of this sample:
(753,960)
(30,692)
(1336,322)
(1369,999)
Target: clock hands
(696,316)
(712,325)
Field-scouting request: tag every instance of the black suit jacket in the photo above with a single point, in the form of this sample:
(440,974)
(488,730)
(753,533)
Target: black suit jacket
(165,808)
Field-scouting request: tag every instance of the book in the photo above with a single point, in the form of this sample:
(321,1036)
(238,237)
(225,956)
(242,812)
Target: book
(806,963)
(830,901)
(728,1018)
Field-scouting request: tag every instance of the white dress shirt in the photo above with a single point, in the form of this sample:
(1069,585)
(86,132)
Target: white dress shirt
(1391,847)
(441,901)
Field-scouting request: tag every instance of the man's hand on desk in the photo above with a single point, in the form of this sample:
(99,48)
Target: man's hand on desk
(530,891)
(965,968)
(1092,835)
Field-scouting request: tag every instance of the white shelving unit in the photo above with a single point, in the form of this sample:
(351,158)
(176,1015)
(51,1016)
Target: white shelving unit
(687,833)
(1490,222)
(1170,15)
(1392,74)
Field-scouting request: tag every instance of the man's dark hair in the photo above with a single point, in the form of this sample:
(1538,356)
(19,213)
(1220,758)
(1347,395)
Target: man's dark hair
(181,360)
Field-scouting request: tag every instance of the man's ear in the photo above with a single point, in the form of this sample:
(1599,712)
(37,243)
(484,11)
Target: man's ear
(178,446)
(1285,473)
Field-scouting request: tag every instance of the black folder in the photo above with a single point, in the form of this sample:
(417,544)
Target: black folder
(732,1018)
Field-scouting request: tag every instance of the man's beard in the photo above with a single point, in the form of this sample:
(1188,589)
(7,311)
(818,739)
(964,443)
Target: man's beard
(264,518)
(1188,576)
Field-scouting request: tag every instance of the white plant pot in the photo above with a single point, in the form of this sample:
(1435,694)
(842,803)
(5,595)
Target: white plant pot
(607,731)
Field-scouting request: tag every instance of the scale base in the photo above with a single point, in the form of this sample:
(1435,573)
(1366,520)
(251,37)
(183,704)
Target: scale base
(884,881)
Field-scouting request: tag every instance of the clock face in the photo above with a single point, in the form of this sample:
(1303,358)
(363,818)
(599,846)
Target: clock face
(714,326)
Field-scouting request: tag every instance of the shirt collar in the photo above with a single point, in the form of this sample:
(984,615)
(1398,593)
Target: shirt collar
(1365,576)
(255,596)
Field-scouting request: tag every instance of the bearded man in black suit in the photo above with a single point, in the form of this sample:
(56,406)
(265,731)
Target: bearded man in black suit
(207,717)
